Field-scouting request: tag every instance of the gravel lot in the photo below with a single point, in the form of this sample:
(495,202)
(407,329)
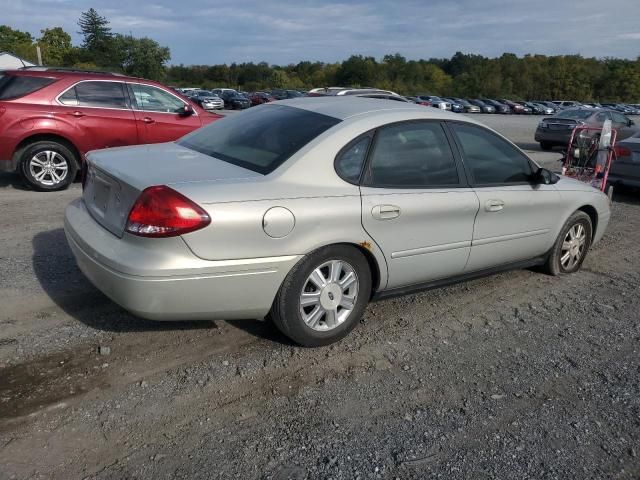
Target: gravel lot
(519,375)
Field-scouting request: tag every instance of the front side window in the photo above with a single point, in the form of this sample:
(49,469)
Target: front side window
(154,99)
(491,159)
(259,139)
(98,94)
(16,86)
(350,161)
(412,155)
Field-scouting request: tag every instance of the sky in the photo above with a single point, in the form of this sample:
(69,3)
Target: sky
(282,32)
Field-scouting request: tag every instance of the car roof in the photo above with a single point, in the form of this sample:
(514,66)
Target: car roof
(343,107)
(50,72)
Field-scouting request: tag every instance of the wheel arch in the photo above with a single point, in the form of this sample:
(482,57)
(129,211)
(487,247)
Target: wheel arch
(47,137)
(593,215)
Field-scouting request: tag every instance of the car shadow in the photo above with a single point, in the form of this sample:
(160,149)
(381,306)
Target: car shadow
(12,180)
(61,279)
(628,195)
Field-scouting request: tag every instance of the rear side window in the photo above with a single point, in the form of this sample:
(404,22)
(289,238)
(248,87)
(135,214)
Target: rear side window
(96,94)
(16,86)
(412,155)
(491,159)
(260,139)
(350,161)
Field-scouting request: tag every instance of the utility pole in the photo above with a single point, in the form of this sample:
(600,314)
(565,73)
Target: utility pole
(39,55)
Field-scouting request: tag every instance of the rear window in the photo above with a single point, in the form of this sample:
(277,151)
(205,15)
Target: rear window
(575,114)
(16,86)
(260,139)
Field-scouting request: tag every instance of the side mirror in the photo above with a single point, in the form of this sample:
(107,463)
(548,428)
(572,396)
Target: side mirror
(545,177)
(186,110)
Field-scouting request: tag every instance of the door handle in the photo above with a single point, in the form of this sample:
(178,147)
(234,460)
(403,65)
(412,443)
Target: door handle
(385,212)
(148,120)
(76,114)
(494,205)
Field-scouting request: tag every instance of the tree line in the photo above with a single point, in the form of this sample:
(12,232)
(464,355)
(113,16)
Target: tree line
(463,75)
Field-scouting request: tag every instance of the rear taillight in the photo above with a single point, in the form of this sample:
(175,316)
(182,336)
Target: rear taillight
(621,151)
(160,211)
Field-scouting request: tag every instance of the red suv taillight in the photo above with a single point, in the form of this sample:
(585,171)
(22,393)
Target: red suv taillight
(160,211)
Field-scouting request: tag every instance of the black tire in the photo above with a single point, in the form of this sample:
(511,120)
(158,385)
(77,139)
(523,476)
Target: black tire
(554,265)
(63,155)
(286,312)
(546,146)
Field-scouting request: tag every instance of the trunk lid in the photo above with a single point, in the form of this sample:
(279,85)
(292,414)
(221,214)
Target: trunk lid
(117,176)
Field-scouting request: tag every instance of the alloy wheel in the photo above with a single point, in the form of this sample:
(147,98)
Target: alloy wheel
(329,295)
(573,246)
(48,168)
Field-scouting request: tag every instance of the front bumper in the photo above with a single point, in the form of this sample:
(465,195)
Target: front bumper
(9,166)
(161,279)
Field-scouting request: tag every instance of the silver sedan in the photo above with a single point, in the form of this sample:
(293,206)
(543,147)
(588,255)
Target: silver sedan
(307,209)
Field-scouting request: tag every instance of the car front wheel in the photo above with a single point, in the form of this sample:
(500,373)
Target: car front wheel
(48,165)
(571,246)
(324,296)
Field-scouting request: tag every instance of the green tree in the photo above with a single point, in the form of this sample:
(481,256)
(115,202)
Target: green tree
(141,57)
(17,42)
(95,30)
(56,46)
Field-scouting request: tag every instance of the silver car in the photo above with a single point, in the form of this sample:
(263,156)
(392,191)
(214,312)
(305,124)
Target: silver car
(307,209)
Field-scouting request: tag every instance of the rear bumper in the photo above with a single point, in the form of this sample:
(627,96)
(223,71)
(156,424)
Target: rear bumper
(553,136)
(161,279)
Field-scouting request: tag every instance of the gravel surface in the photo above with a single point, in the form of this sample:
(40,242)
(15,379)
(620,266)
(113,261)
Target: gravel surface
(519,375)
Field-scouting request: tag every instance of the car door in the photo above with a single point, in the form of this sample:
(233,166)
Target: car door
(415,203)
(160,114)
(623,125)
(516,220)
(99,110)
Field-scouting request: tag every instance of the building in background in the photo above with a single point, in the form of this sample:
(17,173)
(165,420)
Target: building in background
(9,61)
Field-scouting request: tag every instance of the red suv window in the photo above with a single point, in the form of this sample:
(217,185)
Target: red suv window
(16,86)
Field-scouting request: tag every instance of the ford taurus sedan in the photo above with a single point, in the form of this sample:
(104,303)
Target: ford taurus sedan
(307,209)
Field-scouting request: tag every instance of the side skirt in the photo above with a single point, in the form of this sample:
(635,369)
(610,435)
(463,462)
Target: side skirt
(419,287)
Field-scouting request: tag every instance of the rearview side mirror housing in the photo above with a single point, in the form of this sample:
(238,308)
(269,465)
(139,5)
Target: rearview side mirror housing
(186,110)
(545,177)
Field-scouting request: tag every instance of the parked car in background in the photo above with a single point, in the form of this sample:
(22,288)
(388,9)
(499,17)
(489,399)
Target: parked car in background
(435,101)
(50,118)
(207,100)
(556,130)
(220,91)
(234,218)
(234,101)
(258,98)
(468,107)
(533,108)
(544,109)
(549,104)
(455,106)
(625,169)
(385,96)
(484,107)
(499,106)
(284,94)
(515,107)
(567,103)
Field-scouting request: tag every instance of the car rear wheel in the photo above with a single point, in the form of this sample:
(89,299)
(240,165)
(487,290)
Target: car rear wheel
(571,246)
(546,146)
(48,165)
(324,296)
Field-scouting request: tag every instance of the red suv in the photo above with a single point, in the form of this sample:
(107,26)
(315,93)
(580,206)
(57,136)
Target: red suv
(50,118)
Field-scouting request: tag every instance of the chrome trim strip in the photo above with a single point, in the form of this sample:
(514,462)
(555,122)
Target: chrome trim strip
(130,109)
(512,236)
(432,249)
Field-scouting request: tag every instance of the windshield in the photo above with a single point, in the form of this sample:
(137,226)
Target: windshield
(260,139)
(576,114)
